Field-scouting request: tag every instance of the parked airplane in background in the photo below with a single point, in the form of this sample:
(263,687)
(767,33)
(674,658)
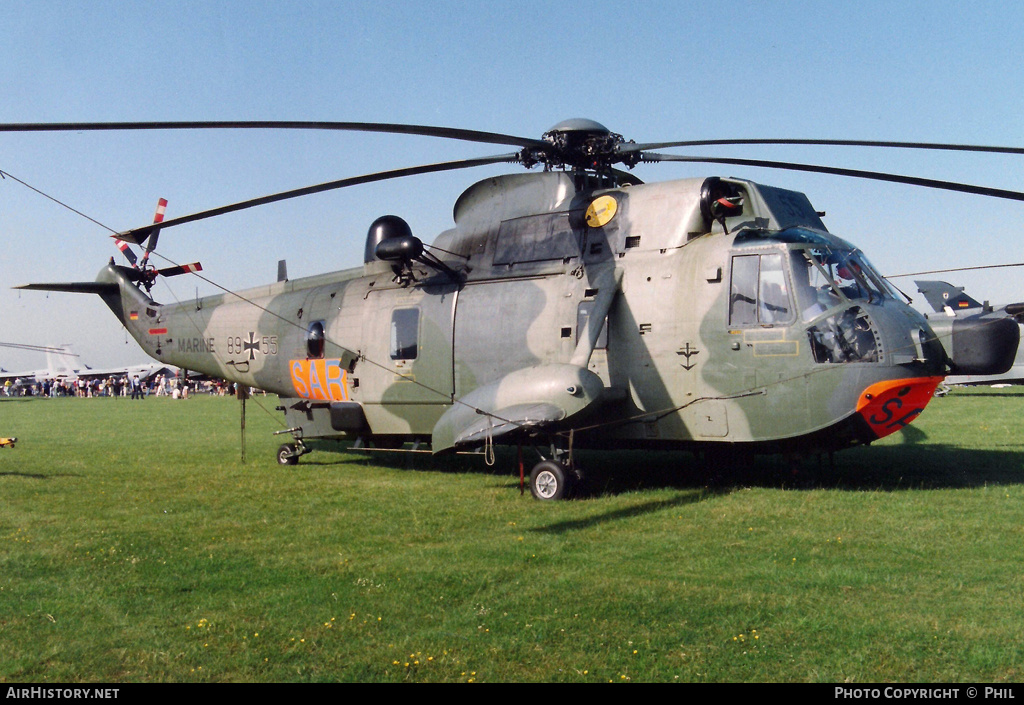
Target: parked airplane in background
(57,359)
(63,363)
(952,304)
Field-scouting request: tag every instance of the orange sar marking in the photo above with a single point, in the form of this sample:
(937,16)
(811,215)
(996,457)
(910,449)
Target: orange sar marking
(319,380)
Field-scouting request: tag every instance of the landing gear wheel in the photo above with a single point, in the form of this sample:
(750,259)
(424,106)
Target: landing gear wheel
(550,480)
(288,454)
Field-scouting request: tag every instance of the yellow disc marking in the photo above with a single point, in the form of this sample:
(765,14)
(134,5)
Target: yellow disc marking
(601,211)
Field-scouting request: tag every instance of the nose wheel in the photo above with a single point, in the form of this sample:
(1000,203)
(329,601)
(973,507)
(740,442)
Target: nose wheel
(289,453)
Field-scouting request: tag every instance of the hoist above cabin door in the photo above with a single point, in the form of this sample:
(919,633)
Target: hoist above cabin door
(405,380)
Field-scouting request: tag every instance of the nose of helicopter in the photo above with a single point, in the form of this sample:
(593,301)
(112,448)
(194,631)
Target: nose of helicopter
(888,406)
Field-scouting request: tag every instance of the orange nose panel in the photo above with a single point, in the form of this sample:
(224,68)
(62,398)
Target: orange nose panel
(889,406)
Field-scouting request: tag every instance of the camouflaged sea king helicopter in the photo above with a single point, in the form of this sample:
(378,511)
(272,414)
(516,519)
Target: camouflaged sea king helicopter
(573,308)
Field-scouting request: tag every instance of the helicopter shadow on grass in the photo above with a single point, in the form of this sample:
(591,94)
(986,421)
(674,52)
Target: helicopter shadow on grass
(505,472)
(912,464)
(38,476)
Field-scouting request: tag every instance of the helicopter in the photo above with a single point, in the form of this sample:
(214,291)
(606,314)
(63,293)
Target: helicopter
(572,307)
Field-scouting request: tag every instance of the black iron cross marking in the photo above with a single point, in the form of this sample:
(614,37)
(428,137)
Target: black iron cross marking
(687,352)
(252,346)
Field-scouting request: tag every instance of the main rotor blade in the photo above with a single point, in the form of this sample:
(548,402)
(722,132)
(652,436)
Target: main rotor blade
(37,348)
(957,269)
(837,171)
(393,128)
(626,148)
(139,235)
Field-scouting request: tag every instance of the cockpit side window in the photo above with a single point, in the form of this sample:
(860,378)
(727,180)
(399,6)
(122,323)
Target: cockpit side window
(743,293)
(773,304)
(759,293)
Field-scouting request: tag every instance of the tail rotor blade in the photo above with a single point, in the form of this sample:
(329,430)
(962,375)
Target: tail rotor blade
(180,269)
(126,250)
(158,217)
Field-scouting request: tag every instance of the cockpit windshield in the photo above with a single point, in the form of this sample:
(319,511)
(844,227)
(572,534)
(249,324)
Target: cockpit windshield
(824,277)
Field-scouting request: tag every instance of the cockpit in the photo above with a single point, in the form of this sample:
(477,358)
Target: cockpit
(825,277)
(821,284)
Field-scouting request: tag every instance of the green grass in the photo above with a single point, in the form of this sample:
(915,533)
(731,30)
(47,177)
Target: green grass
(135,545)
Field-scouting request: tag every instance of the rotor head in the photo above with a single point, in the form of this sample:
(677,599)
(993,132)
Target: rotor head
(578,143)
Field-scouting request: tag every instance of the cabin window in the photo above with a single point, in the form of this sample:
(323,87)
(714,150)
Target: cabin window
(759,294)
(536,238)
(405,333)
(315,340)
(582,316)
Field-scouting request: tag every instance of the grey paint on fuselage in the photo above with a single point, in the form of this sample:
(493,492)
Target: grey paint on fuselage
(674,371)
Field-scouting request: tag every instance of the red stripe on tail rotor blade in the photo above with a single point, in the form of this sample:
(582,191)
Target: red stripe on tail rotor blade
(126,250)
(161,207)
(181,269)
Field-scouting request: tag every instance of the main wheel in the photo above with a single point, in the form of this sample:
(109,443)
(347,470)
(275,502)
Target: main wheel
(288,454)
(550,480)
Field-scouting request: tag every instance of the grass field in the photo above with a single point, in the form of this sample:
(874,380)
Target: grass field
(135,545)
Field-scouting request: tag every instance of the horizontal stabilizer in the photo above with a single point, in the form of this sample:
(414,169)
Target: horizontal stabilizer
(138,236)
(75,287)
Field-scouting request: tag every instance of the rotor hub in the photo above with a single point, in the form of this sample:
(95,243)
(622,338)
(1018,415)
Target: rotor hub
(577,143)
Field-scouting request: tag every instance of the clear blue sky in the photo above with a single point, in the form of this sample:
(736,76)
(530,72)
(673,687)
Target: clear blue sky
(653,71)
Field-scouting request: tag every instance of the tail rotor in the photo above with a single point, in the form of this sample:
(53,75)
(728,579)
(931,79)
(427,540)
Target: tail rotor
(144,273)
(158,217)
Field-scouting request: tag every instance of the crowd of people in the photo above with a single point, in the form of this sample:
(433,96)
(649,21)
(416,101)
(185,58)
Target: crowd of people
(118,386)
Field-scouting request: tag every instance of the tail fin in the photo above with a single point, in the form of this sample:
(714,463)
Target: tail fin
(941,295)
(63,363)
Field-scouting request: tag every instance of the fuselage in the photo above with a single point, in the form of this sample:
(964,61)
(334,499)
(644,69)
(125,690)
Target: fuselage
(755,327)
